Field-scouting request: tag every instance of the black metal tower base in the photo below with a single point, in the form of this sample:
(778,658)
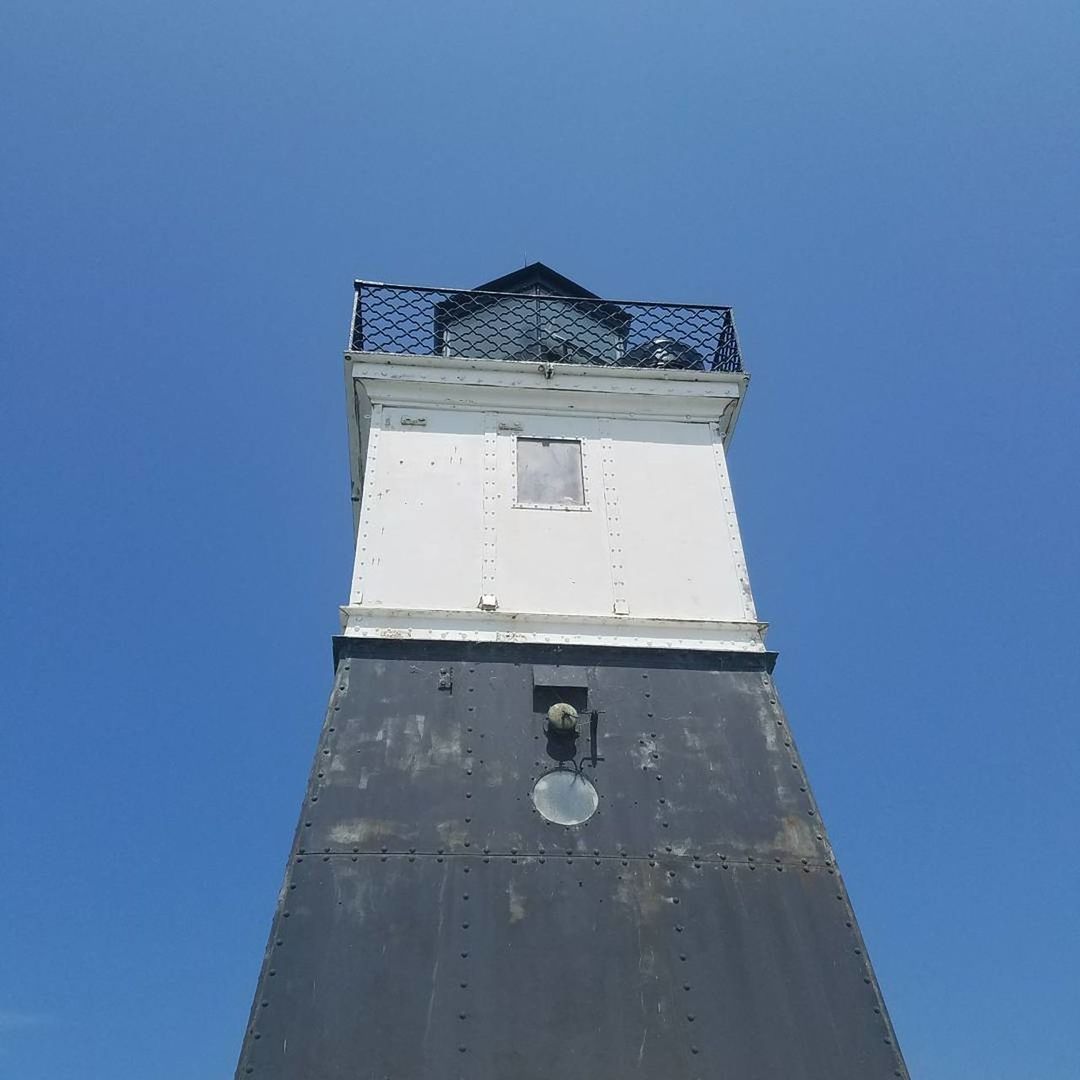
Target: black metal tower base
(434,925)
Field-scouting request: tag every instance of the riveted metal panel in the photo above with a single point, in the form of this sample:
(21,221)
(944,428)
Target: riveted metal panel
(692,758)
(428,966)
(433,925)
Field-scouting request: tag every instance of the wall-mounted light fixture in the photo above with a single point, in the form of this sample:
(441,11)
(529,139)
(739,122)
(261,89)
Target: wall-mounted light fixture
(562,720)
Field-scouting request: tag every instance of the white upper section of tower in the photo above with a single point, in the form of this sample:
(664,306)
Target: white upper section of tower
(557,502)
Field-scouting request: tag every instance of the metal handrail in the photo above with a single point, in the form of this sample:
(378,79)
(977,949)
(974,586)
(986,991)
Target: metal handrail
(536,325)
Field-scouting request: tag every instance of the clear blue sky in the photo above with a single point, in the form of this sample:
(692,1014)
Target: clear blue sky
(886,192)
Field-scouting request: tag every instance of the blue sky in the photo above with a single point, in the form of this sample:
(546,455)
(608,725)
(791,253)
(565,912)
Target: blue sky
(885,192)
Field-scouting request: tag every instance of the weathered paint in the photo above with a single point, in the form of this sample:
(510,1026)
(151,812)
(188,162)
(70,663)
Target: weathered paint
(433,925)
(442,529)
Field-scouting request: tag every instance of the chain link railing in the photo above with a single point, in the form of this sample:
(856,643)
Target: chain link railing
(543,328)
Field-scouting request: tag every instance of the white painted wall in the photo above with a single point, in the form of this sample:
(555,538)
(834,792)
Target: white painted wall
(420,538)
(653,556)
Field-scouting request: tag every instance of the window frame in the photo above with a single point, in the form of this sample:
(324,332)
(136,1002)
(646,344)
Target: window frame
(520,504)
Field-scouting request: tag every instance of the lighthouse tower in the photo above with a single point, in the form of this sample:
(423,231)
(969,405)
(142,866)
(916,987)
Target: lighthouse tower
(556,826)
